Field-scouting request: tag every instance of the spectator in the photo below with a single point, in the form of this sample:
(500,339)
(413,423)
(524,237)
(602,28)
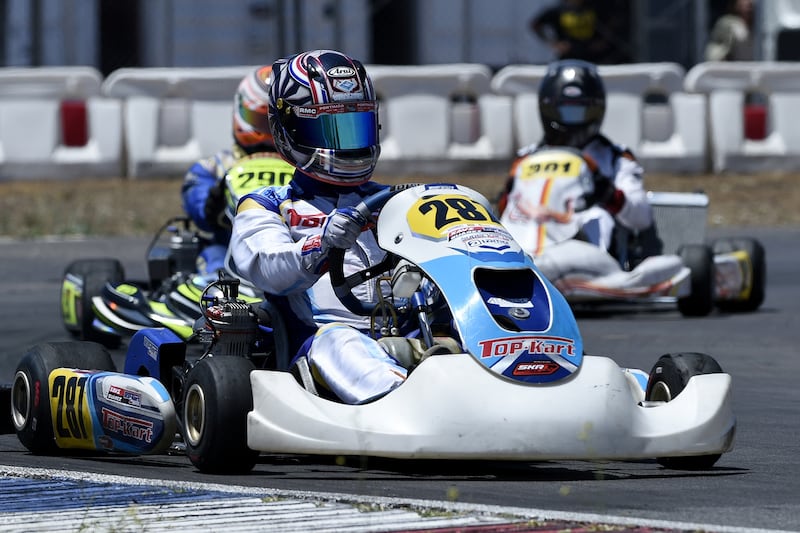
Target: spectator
(732,35)
(575,29)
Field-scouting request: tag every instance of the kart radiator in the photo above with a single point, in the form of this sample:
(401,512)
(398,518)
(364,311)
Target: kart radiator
(680,218)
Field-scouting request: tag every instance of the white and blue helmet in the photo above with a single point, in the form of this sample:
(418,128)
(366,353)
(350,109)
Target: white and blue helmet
(323,114)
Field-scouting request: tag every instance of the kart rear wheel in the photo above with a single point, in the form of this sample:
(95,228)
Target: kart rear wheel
(30,391)
(91,276)
(668,378)
(699,258)
(216,401)
(758,274)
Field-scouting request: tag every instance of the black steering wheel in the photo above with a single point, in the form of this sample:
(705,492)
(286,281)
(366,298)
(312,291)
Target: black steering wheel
(343,286)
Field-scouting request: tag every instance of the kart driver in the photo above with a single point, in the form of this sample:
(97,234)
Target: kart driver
(323,114)
(203,189)
(572,103)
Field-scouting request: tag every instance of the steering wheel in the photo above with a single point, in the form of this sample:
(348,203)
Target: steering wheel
(343,286)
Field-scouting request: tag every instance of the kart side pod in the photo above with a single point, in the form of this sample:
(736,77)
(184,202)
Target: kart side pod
(154,352)
(113,412)
(74,409)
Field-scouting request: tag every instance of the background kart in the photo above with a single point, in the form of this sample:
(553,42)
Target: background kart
(497,368)
(669,264)
(99,304)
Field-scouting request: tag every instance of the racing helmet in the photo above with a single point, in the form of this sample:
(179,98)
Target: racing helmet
(250,124)
(572,103)
(323,114)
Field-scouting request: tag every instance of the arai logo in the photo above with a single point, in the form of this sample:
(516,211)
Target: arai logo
(341,72)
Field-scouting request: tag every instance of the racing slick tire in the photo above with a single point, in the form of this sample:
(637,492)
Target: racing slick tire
(76,310)
(213,421)
(668,378)
(758,274)
(30,390)
(699,258)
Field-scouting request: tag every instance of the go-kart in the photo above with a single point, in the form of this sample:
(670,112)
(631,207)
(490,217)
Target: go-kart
(695,276)
(497,368)
(99,304)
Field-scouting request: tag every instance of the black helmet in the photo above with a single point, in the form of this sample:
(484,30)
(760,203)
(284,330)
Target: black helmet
(572,102)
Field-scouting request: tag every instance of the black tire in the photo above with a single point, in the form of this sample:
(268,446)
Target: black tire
(93,275)
(6,425)
(30,393)
(216,399)
(699,258)
(758,263)
(668,378)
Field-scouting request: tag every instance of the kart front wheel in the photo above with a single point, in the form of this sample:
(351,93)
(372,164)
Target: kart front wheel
(216,401)
(30,391)
(84,279)
(699,258)
(755,270)
(668,378)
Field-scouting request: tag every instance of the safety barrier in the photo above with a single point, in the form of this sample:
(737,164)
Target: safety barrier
(646,110)
(174,116)
(69,122)
(440,117)
(54,122)
(751,110)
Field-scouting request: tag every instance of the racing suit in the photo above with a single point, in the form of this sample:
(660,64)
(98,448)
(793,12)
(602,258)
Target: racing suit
(275,233)
(628,203)
(203,201)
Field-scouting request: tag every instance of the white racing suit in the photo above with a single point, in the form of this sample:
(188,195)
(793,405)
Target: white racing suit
(617,163)
(274,231)
(583,266)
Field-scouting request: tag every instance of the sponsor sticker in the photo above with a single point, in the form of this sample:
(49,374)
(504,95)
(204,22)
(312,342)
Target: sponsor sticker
(69,409)
(533,345)
(130,427)
(124,396)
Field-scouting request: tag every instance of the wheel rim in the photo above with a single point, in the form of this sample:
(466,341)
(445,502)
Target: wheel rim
(20,400)
(660,392)
(194,414)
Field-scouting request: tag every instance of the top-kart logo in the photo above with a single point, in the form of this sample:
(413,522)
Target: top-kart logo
(516,346)
(341,72)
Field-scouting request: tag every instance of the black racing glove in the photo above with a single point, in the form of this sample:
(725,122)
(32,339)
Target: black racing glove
(214,209)
(599,190)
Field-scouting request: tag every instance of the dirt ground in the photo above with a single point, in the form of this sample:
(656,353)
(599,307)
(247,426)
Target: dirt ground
(131,207)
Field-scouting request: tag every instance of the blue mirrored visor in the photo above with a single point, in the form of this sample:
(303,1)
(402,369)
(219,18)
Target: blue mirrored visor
(572,114)
(338,126)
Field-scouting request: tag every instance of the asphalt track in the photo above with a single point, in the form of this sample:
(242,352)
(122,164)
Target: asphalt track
(756,486)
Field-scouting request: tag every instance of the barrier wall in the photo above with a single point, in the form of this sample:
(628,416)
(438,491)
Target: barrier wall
(54,122)
(69,122)
(440,117)
(174,116)
(645,110)
(760,98)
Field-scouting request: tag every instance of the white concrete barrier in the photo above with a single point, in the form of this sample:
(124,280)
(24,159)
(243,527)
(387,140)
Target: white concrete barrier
(646,109)
(174,116)
(740,93)
(54,123)
(435,114)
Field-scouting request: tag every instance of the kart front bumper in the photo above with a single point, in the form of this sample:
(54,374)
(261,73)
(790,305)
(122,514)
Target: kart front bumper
(452,408)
